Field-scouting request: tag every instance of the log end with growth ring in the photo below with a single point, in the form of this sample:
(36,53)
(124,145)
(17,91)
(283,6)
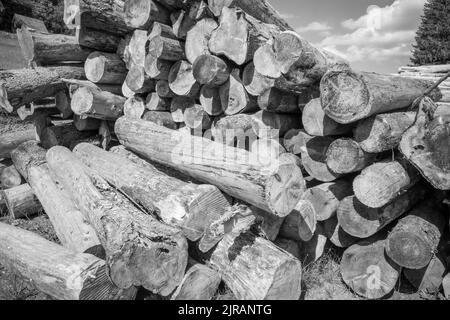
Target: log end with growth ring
(137,13)
(94,67)
(82,101)
(345,96)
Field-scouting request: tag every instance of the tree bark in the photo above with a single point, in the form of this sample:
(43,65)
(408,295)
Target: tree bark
(348,96)
(277,101)
(24,86)
(163,89)
(181,23)
(301,223)
(268,186)
(362,222)
(197,118)
(10,178)
(19,21)
(197,39)
(74,85)
(415,239)
(55,270)
(10,141)
(97,40)
(140,251)
(140,14)
(134,108)
(155,103)
(274,125)
(382,182)
(163,119)
(161,30)
(138,81)
(166,49)
(63,135)
(105,68)
(21,202)
(157,68)
(254,82)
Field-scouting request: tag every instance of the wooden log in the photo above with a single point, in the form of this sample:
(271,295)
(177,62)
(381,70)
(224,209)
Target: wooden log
(301,223)
(382,182)
(21,202)
(136,50)
(210,101)
(127,92)
(187,206)
(327,197)
(269,224)
(181,23)
(446,286)
(197,39)
(97,40)
(55,270)
(210,70)
(161,30)
(199,283)
(178,106)
(239,35)
(63,135)
(134,108)
(345,156)
(348,96)
(166,49)
(86,124)
(62,103)
(163,119)
(12,57)
(10,141)
(20,21)
(261,10)
(140,14)
(234,97)
(71,226)
(278,278)
(47,49)
(21,87)
(154,102)
(362,222)
(97,104)
(311,251)
(157,68)
(290,246)
(267,147)
(10,178)
(254,82)
(139,249)
(197,118)
(317,123)
(367,270)
(273,188)
(293,141)
(415,239)
(73,85)
(235,131)
(313,155)
(182,81)
(337,235)
(383,132)
(430,278)
(163,89)
(277,101)
(427,146)
(105,68)
(273,125)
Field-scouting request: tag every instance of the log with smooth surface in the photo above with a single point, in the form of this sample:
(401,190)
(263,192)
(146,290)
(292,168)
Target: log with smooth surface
(166,49)
(10,141)
(157,68)
(138,81)
(10,178)
(106,68)
(301,223)
(182,81)
(274,125)
(140,14)
(210,70)
(134,107)
(21,202)
(97,104)
(97,40)
(161,118)
(154,102)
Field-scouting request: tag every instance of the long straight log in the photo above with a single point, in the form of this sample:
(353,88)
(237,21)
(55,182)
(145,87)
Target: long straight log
(48,49)
(362,222)
(382,182)
(71,227)
(10,141)
(97,104)
(415,239)
(24,86)
(55,270)
(268,186)
(185,205)
(105,68)
(21,202)
(140,14)
(349,96)
(74,85)
(140,251)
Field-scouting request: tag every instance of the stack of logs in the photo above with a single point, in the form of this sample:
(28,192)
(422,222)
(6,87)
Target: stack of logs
(229,135)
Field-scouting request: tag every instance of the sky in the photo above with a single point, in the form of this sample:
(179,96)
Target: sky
(374,35)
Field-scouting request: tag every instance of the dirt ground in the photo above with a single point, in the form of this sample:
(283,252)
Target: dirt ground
(321,280)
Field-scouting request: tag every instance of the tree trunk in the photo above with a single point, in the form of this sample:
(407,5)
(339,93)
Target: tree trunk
(362,222)
(10,141)
(71,226)
(24,86)
(382,182)
(62,103)
(327,197)
(367,270)
(163,89)
(273,188)
(166,49)
(415,239)
(74,85)
(200,283)
(197,39)
(182,81)
(277,278)
(63,135)
(106,68)
(197,118)
(101,105)
(345,156)
(21,202)
(178,106)
(317,123)
(138,81)
(48,49)
(155,103)
(337,235)
(235,131)
(10,178)
(161,30)
(97,40)
(349,96)
(277,101)
(254,82)
(428,279)
(88,124)
(210,70)
(19,21)
(163,119)
(234,97)
(157,68)
(210,101)
(261,10)
(240,35)
(140,14)
(383,132)
(301,223)
(273,125)
(134,108)
(181,23)
(140,251)
(55,270)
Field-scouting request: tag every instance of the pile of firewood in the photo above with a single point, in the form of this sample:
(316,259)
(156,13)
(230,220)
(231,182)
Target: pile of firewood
(206,143)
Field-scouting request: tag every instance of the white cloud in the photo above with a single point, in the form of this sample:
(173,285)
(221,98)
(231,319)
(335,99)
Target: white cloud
(381,34)
(315,27)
